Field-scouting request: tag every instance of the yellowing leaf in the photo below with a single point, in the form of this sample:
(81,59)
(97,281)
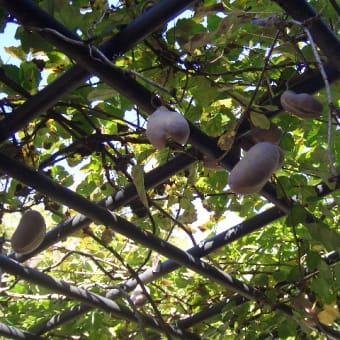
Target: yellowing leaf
(328,315)
(197,41)
(227,102)
(107,236)
(332,309)
(225,142)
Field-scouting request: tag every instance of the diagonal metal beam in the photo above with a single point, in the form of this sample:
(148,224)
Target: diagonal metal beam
(105,217)
(216,308)
(204,248)
(91,299)
(118,199)
(32,15)
(11,332)
(131,89)
(326,39)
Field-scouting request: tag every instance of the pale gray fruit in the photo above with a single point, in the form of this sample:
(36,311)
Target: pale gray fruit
(138,297)
(252,172)
(302,105)
(164,124)
(139,300)
(29,233)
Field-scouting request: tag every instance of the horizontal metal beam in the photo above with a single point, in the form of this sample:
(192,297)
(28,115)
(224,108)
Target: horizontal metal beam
(91,299)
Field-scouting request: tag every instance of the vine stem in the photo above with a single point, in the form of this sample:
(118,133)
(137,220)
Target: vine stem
(96,54)
(331,157)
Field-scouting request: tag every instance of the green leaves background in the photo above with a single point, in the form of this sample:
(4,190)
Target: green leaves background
(209,65)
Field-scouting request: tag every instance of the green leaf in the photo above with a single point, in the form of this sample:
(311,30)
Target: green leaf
(260,120)
(102,92)
(138,181)
(29,76)
(337,276)
(296,215)
(294,274)
(287,328)
(313,259)
(261,280)
(321,233)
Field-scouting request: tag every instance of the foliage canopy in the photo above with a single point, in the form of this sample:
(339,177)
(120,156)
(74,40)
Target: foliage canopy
(223,65)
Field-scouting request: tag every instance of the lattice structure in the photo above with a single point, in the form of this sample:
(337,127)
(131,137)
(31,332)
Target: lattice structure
(92,60)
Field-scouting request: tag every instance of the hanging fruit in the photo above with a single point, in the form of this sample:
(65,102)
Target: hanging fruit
(252,172)
(30,232)
(302,105)
(164,125)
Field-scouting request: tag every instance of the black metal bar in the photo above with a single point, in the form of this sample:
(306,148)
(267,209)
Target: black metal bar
(44,100)
(327,41)
(213,309)
(115,201)
(59,319)
(204,248)
(33,15)
(91,299)
(11,332)
(210,311)
(103,216)
(131,89)
(332,258)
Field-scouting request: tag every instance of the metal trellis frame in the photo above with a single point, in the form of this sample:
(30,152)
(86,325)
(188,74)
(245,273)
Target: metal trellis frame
(30,15)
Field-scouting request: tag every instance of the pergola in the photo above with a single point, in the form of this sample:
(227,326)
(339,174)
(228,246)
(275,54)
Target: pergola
(90,61)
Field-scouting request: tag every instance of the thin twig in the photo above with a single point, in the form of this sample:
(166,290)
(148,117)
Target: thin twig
(134,274)
(97,54)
